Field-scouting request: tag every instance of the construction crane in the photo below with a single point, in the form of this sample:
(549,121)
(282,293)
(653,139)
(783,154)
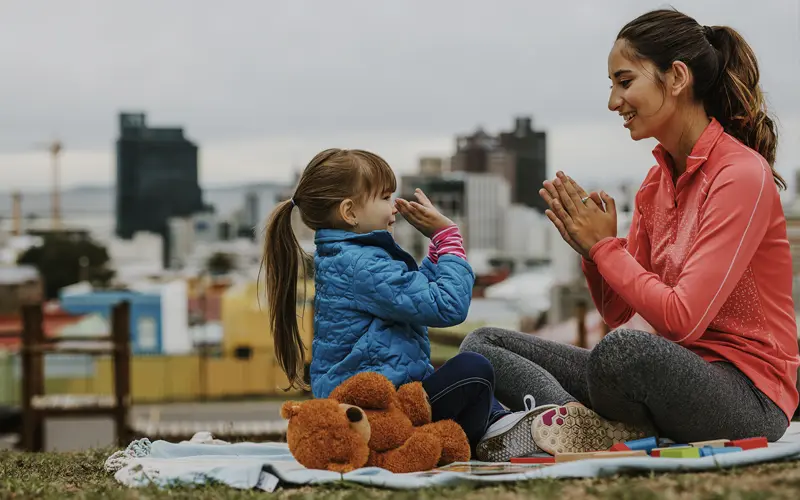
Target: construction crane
(16,213)
(54,148)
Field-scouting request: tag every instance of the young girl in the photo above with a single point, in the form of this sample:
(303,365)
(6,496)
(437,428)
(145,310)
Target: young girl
(373,303)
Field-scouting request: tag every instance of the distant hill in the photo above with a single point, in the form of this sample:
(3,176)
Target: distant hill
(86,200)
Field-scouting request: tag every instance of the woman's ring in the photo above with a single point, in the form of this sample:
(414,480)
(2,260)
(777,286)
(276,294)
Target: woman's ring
(583,200)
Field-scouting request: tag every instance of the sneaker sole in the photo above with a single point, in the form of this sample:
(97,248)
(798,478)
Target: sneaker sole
(577,429)
(515,442)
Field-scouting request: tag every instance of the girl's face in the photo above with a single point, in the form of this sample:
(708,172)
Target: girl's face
(637,94)
(375,214)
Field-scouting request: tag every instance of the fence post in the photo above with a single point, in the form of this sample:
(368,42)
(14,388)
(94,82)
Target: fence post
(580,312)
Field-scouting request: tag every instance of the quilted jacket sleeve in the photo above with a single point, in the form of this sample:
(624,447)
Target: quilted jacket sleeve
(439,297)
(428,268)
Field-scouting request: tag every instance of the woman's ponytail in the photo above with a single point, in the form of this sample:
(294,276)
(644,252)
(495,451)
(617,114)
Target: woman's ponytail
(737,102)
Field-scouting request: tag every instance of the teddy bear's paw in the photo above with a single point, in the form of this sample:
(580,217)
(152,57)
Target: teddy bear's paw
(455,445)
(414,402)
(420,453)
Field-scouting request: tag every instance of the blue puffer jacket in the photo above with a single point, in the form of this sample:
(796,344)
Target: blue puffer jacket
(373,304)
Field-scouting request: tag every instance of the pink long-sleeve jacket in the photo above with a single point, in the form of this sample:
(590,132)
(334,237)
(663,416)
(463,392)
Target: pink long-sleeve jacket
(707,264)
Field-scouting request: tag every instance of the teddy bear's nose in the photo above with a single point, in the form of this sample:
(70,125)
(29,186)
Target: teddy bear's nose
(353,414)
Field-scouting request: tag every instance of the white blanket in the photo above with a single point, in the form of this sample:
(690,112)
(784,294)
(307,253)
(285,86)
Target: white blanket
(266,465)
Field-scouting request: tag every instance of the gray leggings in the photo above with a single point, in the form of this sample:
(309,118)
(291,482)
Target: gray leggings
(633,377)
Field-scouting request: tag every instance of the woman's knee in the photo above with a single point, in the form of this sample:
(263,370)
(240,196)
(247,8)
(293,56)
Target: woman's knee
(623,352)
(775,432)
(474,341)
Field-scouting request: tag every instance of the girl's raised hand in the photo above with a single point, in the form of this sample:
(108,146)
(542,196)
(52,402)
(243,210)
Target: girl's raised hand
(421,214)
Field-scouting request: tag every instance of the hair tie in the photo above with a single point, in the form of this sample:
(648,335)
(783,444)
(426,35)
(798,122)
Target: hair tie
(293,203)
(708,31)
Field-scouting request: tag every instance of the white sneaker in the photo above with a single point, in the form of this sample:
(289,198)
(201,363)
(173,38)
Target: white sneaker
(512,435)
(577,429)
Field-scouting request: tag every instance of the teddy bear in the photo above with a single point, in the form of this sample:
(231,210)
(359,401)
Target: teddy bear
(366,422)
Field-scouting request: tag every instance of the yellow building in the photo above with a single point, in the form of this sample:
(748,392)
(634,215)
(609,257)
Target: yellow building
(246,367)
(246,330)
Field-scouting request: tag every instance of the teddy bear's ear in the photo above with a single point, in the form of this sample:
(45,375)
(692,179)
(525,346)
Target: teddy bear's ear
(289,409)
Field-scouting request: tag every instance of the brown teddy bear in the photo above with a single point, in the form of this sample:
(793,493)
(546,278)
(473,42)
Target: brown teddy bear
(367,423)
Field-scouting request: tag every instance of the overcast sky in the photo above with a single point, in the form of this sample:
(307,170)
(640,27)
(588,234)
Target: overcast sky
(263,85)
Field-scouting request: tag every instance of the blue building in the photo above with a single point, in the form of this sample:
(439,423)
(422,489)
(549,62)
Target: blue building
(159,313)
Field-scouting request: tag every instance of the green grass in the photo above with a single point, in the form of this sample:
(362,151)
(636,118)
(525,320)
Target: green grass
(81,475)
(442,352)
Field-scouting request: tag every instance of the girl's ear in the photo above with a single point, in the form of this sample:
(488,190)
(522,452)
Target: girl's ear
(347,212)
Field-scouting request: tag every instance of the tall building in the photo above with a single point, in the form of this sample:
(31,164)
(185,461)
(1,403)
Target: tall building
(488,199)
(525,162)
(251,216)
(252,207)
(473,152)
(431,165)
(157,178)
(518,155)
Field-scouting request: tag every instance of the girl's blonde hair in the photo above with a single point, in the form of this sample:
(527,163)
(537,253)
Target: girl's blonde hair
(331,177)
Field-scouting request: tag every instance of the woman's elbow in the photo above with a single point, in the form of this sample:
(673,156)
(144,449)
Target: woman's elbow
(683,336)
(683,325)
(684,330)
(616,321)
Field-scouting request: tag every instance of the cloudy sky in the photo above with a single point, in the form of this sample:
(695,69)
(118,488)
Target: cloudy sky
(263,85)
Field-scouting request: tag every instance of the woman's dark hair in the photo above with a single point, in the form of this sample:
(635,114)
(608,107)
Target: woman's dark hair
(725,70)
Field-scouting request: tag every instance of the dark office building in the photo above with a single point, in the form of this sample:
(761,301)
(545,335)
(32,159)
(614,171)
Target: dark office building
(156,178)
(519,155)
(526,155)
(473,152)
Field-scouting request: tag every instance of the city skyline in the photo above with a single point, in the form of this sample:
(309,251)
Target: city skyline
(260,94)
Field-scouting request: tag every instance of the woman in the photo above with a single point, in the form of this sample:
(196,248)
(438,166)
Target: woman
(706,261)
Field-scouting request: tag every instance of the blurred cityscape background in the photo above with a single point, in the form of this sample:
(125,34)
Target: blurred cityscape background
(85,225)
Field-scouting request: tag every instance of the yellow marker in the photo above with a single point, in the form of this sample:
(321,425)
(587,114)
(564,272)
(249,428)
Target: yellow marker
(685,452)
(571,457)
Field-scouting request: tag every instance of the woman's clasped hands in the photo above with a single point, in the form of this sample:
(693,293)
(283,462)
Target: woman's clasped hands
(583,219)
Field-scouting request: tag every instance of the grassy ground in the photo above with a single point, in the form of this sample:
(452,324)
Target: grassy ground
(81,475)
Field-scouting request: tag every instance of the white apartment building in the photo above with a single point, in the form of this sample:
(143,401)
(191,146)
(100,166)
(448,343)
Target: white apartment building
(527,233)
(487,202)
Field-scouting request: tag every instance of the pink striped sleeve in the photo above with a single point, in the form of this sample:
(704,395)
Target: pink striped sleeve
(446,241)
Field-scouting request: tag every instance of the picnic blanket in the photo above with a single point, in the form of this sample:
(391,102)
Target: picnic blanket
(265,466)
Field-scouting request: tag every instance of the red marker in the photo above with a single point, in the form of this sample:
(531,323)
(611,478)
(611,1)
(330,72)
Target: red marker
(749,443)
